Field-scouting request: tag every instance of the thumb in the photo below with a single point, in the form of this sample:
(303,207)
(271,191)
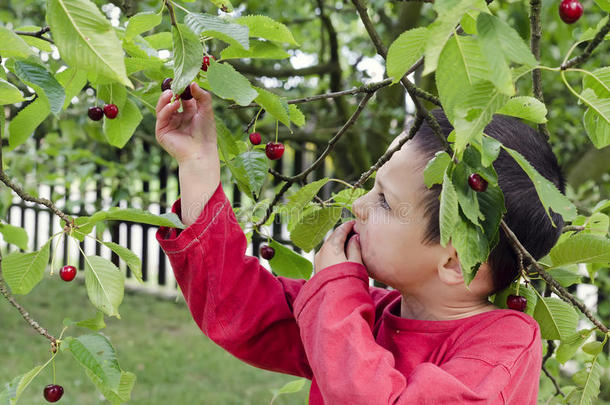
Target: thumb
(353,252)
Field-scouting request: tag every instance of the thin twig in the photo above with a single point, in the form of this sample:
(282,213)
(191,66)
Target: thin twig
(536,30)
(597,40)
(37,34)
(172,15)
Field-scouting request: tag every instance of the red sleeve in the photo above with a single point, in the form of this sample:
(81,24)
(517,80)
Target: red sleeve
(235,301)
(335,313)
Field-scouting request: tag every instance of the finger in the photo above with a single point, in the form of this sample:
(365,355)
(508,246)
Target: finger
(202,97)
(353,252)
(166,112)
(163,100)
(340,234)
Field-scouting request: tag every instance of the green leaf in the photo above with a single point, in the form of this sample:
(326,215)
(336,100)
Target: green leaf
(287,263)
(466,195)
(527,108)
(489,150)
(213,26)
(188,54)
(14,389)
(405,51)
(27,120)
(557,319)
(120,129)
(12,46)
(566,276)
(435,168)
(581,248)
(22,271)
(105,284)
(600,106)
(448,210)
(460,66)
(491,48)
(471,245)
(589,382)
(264,27)
(9,94)
(15,235)
(549,195)
(85,38)
(604,5)
(296,115)
(229,84)
(73,82)
(122,394)
(142,22)
(129,257)
(255,165)
(599,81)
(569,346)
(450,13)
(593,348)
(226,142)
(597,128)
(297,202)
(274,105)
(289,388)
(528,293)
(96,354)
(258,50)
(310,231)
(95,323)
(160,40)
(42,81)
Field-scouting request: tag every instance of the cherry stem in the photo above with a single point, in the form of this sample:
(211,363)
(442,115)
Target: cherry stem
(256,119)
(277,125)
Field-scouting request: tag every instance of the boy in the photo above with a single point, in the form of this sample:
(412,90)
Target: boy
(430,340)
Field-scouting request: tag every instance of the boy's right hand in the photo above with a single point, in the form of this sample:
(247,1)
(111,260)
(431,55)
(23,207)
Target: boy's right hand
(190,134)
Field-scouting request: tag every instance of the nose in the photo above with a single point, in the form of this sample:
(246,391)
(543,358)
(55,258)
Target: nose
(358,208)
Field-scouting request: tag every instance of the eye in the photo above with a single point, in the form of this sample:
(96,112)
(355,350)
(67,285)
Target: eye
(383,202)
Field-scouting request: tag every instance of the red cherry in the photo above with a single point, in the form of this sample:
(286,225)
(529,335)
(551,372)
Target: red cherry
(95,113)
(111,111)
(205,63)
(53,393)
(167,84)
(267,252)
(274,150)
(477,183)
(255,138)
(67,273)
(516,302)
(186,94)
(570,11)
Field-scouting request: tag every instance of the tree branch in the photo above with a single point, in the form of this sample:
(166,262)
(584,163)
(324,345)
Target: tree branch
(536,30)
(577,60)
(325,68)
(37,34)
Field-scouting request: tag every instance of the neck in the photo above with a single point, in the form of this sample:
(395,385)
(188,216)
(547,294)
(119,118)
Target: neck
(441,307)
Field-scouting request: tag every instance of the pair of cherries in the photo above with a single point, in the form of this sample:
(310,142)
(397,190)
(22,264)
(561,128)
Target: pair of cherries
(97,113)
(273,150)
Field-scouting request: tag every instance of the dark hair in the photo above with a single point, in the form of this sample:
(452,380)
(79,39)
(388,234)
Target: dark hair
(525,215)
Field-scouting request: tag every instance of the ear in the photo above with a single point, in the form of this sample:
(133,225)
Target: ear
(448,268)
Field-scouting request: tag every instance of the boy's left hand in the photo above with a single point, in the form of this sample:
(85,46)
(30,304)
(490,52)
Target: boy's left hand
(333,250)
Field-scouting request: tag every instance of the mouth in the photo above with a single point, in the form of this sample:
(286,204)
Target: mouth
(349,236)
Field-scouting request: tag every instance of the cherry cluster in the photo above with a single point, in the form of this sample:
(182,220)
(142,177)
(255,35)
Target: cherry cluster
(97,113)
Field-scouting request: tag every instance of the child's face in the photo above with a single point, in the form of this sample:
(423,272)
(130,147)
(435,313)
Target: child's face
(391,224)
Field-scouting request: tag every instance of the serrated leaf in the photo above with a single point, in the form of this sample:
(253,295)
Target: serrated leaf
(123,392)
(274,105)
(557,319)
(599,81)
(255,165)
(9,94)
(15,235)
(160,40)
(490,43)
(226,142)
(527,108)
(566,276)
(435,168)
(211,25)
(229,84)
(569,346)
(105,284)
(258,50)
(188,54)
(528,293)
(287,263)
(129,257)
(265,27)
(471,245)
(12,46)
(467,198)
(142,22)
(405,51)
(604,5)
(448,210)
(95,323)
(43,82)
(549,195)
(297,201)
(489,149)
(593,348)
(22,271)
(348,196)
(120,129)
(85,38)
(96,354)
(11,394)
(310,230)
(581,248)
(597,129)
(589,381)
(27,120)
(73,82)
(296,115)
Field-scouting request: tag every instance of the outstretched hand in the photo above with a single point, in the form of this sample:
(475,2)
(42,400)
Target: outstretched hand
(333,251)
(188,134)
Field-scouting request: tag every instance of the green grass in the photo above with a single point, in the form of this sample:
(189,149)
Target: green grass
(155,339)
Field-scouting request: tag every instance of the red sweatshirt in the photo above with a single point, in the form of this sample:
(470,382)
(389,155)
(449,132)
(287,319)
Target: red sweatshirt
(345,336)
